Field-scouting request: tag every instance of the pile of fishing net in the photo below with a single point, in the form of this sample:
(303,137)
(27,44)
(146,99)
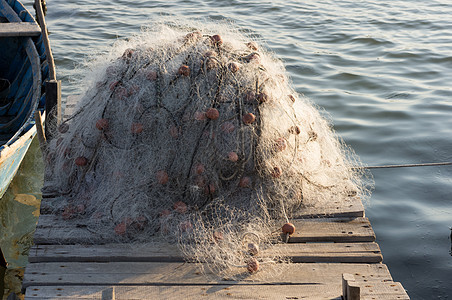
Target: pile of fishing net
(196,137)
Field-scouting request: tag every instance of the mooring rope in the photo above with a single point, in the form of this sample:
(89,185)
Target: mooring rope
(405,166)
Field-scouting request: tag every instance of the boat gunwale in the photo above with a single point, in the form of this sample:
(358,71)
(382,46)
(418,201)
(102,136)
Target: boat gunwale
(34,58)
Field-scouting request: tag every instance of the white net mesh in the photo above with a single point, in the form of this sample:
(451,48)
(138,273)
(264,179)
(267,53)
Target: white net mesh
(197,137)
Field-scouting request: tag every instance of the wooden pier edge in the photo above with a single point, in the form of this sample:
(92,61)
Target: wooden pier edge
(334,256)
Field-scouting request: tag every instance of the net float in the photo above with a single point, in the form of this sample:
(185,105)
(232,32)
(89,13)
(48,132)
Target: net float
(68,212)
(102,124)
(209,189)
(288,228)
(193,36)
(121,228)
(113,85)
(151,75)
(184,70)
(253,57)
(180,207)
(232,156)
(249,118)
(245,182)
(276,172)
(199,169)
(217,236)
(63,128)
(280,144)
(81,161)
(212,113)
(233,67)
(250,96)
(174,132)
(216,39)
(136,128)
(128,53)
(252,265)
(252,46)
(162,177)
(295,130)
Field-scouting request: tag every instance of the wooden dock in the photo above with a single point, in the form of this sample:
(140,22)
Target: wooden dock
(334,254)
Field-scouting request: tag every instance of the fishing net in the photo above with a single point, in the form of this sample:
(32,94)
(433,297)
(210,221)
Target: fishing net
(196,137)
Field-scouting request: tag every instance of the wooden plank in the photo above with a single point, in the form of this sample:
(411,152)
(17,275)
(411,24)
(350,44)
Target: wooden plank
(53,230)
(283,292)
(349,208)
(186,292)
(336,230)
(162,252)
(143,273)
(330,252)
(19,29)
(154,252)
(53,105)
(382,288)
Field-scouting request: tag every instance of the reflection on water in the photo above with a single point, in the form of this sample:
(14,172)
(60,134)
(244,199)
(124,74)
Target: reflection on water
(19,211)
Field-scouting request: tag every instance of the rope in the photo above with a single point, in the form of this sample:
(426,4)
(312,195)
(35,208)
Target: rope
(405,166)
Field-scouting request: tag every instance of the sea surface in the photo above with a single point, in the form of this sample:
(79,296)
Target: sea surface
(381,70)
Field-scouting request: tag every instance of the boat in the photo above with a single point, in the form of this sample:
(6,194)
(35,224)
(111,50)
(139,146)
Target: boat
(24,71)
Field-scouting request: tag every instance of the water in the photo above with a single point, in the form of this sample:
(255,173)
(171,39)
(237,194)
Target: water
(381,69)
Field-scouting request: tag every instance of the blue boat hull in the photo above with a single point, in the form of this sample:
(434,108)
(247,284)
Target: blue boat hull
(11,157)
(23,73)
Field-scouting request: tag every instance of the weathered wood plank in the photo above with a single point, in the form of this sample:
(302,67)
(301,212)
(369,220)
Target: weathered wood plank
(349,208)
(331,252)
(338,230)
(284,292)
(143,273)
(19,29)
(155,252)
(162,252)
(186,292)
(53,105)
(382,288)
(54,230)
